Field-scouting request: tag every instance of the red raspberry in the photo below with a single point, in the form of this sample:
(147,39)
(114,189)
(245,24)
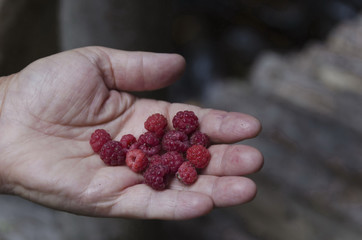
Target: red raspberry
(136,160)
(149,143)
(155,160)
(127,141)
(199,138)
(173,160)
(156,123)
(198,155)
(98,138)
(175,141)
(187,173)
(156,176)
(112,153)
(185,121)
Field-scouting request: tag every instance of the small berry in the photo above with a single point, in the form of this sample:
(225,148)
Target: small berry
(187,173)
(199,138)
(149,143)
(156,123)
(185,121)
(98,138)
(198,155)
(136,160)
(155,160)
(175,141)
(127,141)
(156,176)
(173,160)
(112,153)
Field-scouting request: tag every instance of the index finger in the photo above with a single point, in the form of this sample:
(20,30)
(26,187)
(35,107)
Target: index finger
(222,126)
(229,127)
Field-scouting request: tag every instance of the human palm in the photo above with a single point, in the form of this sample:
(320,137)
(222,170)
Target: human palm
(50,109)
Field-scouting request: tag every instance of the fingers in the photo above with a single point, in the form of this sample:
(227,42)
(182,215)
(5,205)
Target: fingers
(222,126)
(217,186)
(135,71)
(184,202)
(233,160)
(224,191)
(229,127)
(141,201)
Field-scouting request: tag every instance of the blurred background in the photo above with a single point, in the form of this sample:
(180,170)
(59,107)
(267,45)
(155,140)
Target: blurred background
(296,65)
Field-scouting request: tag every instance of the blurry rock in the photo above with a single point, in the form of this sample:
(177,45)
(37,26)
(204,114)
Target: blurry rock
(347,38)
(312,171)
(324,79)
(273,75)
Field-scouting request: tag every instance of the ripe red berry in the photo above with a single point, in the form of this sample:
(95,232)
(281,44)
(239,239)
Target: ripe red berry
(127,141)
(156,123)
(187,173)
(198,155)
(173,160)
(175,141)
(155,160)
(98,138)
(156,176)
(159,153)
(199,138)
(136,160)
(149,143)
(185,121)
(112,153)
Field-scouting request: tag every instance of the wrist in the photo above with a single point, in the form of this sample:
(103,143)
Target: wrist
(4,85)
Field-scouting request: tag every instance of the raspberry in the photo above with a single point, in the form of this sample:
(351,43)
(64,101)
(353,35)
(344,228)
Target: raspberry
(156,123)
(198,155)
(199,138)
(136,160)
(184,142)
(155,160)
(156,176)
(127,141)
(98,138)
(175,141)
(187,173)
(112,153)
(185,121)
(173,160)
(149,143)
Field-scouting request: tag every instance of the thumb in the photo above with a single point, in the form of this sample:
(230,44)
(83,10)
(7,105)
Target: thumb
(135,71)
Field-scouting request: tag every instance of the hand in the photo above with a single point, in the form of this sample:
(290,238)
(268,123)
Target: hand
(49,110)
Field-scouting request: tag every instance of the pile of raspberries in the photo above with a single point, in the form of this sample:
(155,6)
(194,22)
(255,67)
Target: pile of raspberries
(159,153)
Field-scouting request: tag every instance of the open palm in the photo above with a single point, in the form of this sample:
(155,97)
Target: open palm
(50,109)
